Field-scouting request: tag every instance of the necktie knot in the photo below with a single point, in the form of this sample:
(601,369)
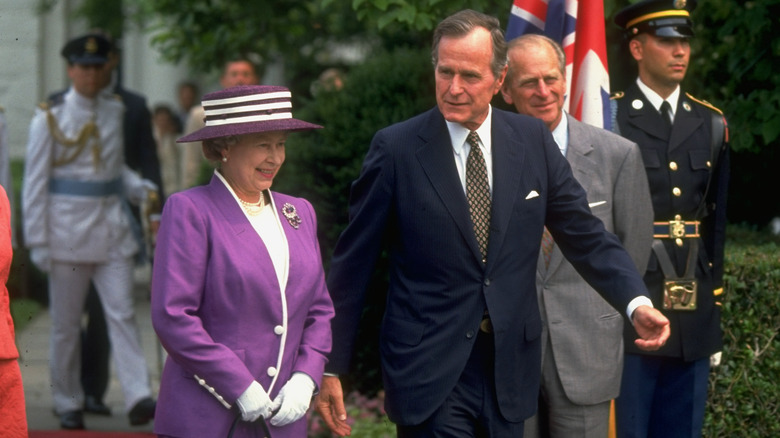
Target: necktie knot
(473,139)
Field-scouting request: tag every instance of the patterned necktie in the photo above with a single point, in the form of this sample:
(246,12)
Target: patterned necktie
(547,246)
(666,114)
(478,193)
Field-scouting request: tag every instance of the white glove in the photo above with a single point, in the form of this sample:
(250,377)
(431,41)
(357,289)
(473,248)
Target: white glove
(293,399)
(39,255)
(254,403)
(136,188)
(715,359)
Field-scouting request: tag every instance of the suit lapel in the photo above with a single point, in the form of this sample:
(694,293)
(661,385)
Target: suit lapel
(436,158)
(582,166)
(508,160)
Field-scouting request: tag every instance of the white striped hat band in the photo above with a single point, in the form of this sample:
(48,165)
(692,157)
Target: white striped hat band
(248,108)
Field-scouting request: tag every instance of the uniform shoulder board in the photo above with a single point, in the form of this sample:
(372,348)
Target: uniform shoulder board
(52,102)
(704,103)
(616,95)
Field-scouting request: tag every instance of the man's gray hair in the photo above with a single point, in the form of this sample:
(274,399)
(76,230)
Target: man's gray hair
(536,40)
(462,23)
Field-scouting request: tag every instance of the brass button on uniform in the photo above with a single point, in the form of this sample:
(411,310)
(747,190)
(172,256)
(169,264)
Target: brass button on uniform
(673,165)
(678,241)
(676,191)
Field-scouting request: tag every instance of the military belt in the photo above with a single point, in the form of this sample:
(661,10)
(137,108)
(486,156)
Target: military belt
(675,229)
(85,188)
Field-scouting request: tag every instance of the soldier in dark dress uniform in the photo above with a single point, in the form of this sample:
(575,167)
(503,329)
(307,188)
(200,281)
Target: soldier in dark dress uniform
(685,152)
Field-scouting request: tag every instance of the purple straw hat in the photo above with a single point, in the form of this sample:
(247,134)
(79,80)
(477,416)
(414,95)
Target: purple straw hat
(247,109)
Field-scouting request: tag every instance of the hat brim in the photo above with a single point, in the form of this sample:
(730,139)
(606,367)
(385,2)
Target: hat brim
(210,132)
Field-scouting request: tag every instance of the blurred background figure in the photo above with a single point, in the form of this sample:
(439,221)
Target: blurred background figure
(188,95)
(79,228)
(166,130)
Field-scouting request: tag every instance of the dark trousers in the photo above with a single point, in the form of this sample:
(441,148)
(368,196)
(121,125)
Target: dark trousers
(471,410)
(662,397)
(95,349)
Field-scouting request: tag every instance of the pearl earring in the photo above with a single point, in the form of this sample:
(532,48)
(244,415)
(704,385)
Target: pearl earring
(224,159)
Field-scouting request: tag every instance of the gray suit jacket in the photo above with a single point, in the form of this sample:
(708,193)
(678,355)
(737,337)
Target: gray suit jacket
(586,333)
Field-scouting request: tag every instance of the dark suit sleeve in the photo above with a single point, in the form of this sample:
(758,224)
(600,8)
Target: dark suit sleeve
(140,147)
(358,249)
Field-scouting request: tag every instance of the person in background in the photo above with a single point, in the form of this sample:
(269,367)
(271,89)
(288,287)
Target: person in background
(187,95)
(582,336)
(77,227)
(239,299)
(235,72)
(458,197)
(166,130)
(684,144)
(13,417)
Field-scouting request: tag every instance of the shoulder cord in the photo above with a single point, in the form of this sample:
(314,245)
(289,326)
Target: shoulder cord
(89,129)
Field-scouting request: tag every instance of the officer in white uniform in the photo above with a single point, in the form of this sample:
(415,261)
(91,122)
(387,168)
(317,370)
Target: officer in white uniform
(78,228)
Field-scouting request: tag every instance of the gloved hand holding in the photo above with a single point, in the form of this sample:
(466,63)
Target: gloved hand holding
(39,255)
(254,403)
(293,399)
(136,188)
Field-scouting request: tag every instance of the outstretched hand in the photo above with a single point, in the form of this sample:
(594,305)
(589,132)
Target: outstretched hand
(330,404)
(652,328)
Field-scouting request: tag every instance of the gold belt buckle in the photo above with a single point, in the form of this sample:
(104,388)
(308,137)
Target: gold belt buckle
(486,326)
(677,227)
(680,294)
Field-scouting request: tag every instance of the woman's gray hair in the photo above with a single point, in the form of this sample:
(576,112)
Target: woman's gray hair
(462,23)
(213,147)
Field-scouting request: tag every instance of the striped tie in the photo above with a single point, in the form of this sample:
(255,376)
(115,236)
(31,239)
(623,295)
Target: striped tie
(478,193)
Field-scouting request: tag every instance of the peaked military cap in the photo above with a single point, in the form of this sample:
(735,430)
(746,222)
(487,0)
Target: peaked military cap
(88,49)
(663,18)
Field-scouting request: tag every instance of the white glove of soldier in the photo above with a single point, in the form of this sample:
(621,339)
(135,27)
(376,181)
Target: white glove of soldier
(136,188)
(254,403)
(293,399)
(715,359)
(39,255)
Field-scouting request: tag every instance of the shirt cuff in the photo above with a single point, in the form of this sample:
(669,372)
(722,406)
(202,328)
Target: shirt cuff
(636,302)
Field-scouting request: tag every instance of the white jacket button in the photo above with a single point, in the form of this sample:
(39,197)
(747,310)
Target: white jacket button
(271,371)
(278,330)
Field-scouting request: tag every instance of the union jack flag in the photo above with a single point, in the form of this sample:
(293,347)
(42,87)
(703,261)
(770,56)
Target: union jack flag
(578,25)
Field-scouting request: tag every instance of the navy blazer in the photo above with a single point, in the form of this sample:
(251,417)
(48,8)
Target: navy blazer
(409,201)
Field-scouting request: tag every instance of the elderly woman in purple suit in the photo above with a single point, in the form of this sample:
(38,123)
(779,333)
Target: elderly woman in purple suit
(239,299)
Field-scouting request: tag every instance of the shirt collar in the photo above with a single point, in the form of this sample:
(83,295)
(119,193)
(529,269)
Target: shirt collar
(458,134)
(657,100)
(561,133)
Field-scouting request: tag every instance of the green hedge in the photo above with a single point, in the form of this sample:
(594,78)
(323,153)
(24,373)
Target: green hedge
(744,398)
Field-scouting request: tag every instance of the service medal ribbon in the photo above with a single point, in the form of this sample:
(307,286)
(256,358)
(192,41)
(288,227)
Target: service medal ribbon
(289,211)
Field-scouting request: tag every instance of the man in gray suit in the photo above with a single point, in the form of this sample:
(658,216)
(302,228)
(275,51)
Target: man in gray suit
(582,339)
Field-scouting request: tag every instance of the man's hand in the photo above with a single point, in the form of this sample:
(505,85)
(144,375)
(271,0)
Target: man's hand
(330,404)
(651,326)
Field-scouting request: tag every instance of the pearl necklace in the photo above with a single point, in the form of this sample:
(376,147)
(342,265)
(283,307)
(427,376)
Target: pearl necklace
(253,208)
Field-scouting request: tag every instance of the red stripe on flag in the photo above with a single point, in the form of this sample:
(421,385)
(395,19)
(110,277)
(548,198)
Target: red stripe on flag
(537,8)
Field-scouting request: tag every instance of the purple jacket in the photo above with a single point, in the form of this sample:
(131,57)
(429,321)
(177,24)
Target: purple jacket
(217,308)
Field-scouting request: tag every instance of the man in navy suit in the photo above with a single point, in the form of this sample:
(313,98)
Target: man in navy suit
(460,336)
